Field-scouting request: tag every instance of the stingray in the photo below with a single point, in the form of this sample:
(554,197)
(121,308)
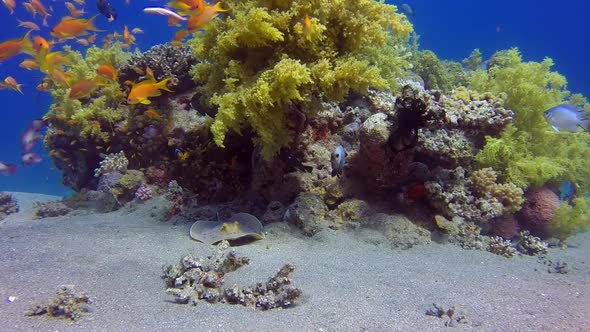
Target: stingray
(240,225)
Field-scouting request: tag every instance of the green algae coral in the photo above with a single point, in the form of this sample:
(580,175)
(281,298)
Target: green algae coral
(530,152)
(570,218)
(437,74)
(259,63)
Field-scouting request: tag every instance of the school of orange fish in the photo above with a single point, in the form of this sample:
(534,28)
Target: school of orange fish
(54,64)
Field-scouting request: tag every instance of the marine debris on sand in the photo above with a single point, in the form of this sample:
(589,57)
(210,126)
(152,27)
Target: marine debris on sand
(201,279)
(67,304)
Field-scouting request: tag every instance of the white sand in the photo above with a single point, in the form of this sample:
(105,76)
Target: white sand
(350,281)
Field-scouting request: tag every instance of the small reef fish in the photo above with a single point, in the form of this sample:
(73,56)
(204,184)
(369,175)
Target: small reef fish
(136,31)
(14,47)
(29,139)
(40,9)
(566,117)
(74,12)
(181,154)
(209,12)
(38,124)
(105,8)
(10,83)
(406,9)
(70,28)
(30,158)
(82,89)
(307,28)
(164,12)
(7,169)
(10,4)
(41,46)
(337,159)
(107,71)
(140,92)
(152,114)
(29,25)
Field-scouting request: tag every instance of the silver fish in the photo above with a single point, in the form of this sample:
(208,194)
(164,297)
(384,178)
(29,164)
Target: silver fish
(566,117)
(337,159)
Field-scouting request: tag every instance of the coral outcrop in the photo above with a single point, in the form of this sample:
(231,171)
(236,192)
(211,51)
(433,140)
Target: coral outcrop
(50,209)
(8,205)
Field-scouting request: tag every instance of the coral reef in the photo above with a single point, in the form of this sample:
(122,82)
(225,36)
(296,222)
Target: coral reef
(8,205)
(477,198)
(539,209)
(451,316)
(505,226)
(530,152)
(570,218)
(112,163)
(67,304)
(307,213)
(259,65)
(50,209)
(144,192)
(164,61)
(399,230)
(202,279)
(530,245)
(501,247)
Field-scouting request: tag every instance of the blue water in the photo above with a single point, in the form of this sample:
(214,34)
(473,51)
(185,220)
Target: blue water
(452,29)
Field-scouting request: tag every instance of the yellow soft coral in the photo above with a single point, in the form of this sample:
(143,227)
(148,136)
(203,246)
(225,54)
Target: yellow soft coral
(259,60)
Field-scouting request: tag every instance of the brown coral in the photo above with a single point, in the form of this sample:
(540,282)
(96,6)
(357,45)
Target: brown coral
(505,226)
(539,208)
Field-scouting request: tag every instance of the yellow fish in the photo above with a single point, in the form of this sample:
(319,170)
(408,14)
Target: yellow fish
(140,92)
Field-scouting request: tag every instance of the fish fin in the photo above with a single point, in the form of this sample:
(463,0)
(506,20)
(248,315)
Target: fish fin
(556,128)
(162,85)
(585,124)
(145,101)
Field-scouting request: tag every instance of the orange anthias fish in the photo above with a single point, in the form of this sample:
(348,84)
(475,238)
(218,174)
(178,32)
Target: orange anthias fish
(10,83)
(153,114)
(60,77)
(40,45)
(13,47)
(10,4)
(107,71)
(74,12)
(83,89)
(73,27)
(29,64)
(40,9)
(307,28)
(140,92)
(197,22)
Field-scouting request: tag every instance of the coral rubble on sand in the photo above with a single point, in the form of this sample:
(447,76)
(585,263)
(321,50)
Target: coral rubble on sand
(50,209)
(67,304)
(8,205)
(195,280)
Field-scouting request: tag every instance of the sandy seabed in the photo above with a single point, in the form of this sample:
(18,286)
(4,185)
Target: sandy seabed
(351,281)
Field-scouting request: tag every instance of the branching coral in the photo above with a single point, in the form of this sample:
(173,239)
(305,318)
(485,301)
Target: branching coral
(477,198)
(114,162)
(260,63)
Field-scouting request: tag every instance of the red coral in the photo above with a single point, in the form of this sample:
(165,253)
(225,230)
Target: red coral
(539,208)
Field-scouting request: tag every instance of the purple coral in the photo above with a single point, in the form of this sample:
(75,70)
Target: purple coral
(144,193)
